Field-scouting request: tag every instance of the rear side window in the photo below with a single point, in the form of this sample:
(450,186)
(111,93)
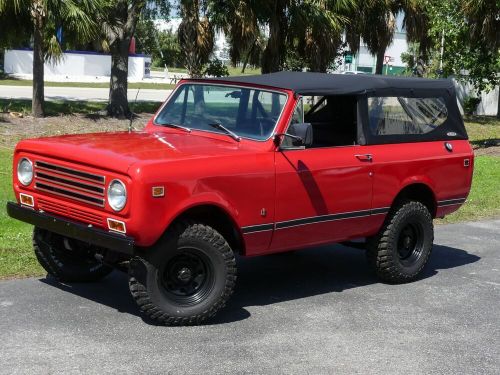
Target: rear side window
(401,115)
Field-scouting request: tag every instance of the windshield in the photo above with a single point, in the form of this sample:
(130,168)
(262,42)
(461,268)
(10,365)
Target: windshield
(249,113)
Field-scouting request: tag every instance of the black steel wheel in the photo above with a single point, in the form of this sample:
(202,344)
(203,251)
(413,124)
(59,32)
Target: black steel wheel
(186,277)
(66,259)
(410,243)
(402,247)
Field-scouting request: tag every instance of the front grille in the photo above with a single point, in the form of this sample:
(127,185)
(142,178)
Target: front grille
(77,214)
(70,183)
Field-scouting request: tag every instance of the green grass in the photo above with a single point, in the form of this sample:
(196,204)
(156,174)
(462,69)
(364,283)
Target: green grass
(58,107)
(171,69)
(482,129)
(484,197)
(237,71)
(131,85)
(16,254)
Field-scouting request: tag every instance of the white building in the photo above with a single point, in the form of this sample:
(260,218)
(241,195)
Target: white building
(75,66)
(364,61)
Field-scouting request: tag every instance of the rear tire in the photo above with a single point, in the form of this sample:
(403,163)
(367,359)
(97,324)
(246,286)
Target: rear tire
(186,278)
(66,259)
(403,246)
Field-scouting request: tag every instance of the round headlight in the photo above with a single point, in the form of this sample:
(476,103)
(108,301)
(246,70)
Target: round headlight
(117,195)
(25,171)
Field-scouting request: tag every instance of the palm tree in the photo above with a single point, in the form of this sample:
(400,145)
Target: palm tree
(375,22)
(118,20)
(239,19)
(274,14)
(483,18)
(316,30)
(42,19)
(312,28)
(196,36)
(417,24)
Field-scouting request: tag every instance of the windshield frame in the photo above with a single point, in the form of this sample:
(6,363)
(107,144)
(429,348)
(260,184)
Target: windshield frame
(223,84)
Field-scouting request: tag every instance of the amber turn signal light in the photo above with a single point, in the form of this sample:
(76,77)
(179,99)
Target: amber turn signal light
(116,226)
(158,191)
(27,200)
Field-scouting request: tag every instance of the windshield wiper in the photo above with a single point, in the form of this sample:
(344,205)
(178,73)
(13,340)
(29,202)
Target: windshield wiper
(175,126)
(233,135)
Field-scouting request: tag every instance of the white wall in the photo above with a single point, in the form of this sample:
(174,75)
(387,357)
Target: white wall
(489,101)
(75,64)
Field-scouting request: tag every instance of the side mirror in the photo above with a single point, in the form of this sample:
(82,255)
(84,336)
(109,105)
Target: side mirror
(301,135)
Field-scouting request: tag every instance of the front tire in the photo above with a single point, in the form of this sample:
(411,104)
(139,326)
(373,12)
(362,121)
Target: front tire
(66,259)
(186,278)
(403,246)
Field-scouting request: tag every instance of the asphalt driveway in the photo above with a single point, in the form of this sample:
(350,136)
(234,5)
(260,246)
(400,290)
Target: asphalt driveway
(316,311)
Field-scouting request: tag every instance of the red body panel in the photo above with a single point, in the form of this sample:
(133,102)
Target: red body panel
(318,182)
(277,200)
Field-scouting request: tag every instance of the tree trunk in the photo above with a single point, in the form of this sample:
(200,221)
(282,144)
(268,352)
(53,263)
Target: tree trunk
(247,58)
(272,54)
(118,101)
(380,61)
(37,103)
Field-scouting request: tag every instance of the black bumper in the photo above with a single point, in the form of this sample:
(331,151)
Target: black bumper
(94,236)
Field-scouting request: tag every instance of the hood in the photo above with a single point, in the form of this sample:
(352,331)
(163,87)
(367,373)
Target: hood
(119,150)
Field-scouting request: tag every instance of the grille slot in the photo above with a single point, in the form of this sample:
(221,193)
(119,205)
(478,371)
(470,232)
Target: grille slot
(70,183)
(70,172)
(77,214)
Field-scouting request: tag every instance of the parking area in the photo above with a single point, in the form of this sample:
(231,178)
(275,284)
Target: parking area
(316,311)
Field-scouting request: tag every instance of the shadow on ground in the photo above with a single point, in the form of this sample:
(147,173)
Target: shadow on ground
(276,278)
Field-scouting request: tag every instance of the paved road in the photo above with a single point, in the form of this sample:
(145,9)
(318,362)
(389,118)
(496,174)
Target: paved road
(317,311)
(80,93)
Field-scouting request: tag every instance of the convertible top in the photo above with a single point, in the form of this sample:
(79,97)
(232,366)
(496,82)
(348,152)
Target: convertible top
(303,83)
(365,87)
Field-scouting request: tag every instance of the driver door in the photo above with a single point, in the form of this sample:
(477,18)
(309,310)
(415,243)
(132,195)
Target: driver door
(323,194)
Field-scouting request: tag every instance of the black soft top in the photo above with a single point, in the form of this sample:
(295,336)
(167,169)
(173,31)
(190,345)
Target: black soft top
(303,83)
(364,86)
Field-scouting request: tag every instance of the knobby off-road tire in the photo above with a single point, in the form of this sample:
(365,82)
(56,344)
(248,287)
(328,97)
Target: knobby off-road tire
(66,259)
(186,277)
(402,247)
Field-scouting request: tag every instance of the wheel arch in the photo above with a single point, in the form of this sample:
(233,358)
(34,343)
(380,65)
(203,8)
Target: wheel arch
(420,192)
(218,218)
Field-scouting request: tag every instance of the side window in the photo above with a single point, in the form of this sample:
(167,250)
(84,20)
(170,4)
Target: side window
(400,115)
(334,120)
(297,117)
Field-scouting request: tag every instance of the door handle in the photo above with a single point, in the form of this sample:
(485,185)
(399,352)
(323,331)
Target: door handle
(364,157)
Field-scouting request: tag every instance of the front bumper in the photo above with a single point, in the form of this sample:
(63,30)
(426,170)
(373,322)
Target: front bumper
(71,229)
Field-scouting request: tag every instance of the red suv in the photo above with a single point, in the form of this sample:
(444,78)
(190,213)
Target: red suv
(249,165)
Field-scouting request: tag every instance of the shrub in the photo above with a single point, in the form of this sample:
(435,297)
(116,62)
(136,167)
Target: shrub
(470,104)
(216,68)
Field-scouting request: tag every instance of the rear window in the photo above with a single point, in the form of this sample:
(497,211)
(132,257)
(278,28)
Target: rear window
(395,115)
